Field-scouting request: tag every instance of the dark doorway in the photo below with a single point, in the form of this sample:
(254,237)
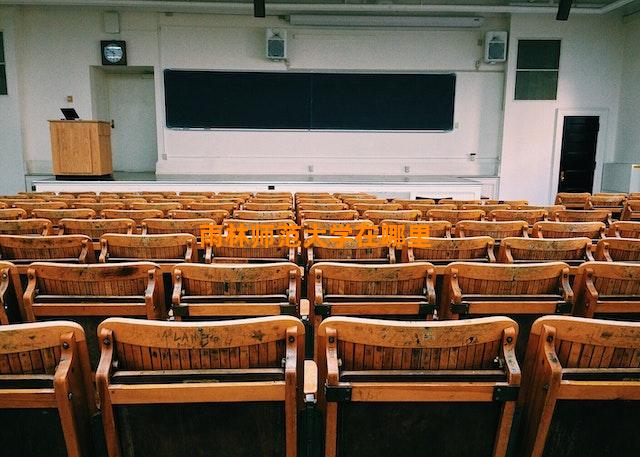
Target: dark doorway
(578,154)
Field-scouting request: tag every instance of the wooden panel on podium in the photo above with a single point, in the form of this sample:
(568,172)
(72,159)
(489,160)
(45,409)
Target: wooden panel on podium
(81,148)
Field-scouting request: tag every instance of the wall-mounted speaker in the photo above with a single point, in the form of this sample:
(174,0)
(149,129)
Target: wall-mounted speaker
(276,44)
(495,47)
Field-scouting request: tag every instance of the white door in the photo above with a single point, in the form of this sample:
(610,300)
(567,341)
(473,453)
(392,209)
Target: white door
(132,109)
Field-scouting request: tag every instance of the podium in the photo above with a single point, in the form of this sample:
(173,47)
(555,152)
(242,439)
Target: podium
(81,149)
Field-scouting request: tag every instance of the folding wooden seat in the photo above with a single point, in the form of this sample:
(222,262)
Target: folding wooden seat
(95,228)
(425,229)
(30,206)
(127,201)
(454,216)
(259,227)
(98,207)
(249,249)
(11,201)
(424,208)
(225,199)
(257,206)
(46,391)
(228,386)
(205,194)
(183,199)
(318,227)
(68,199)
(172,248)
(496,230)
(12,214)
(270,201)
(573,200)
(459,203)
(625,229)
(354,195)
(262,215)
(3,205)
(572,251)
(349,249)
(530,215)
(305,206)
(54,215)
(216,215)
(548,229)
(594,215)
(160,226)
(631,211)
(608,290)
(319,201)
(243,195)
(549,208)
(24,249)
(377,216)
(10,294)
(41,227)
(164,207)
(137,215)
(442,251)
(618,250)
(147,196)
(273,195)
(614,203)
(216,205)
(36,194)
(391,291)
(522,292)
(341,214)
(361,208)
(103,195)
(512,203)
(78,291)
(366,201)
(580,390)
(487,208)
(232,290)
(431,388)
(406,203)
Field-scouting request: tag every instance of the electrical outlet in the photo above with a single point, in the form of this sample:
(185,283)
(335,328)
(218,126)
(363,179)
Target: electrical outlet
(407,169)
(69,98)
(472,156)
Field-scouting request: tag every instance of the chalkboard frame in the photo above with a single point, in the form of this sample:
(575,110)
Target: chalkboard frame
(450,112)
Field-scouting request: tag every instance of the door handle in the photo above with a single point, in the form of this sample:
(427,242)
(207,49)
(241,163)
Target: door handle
(562,176)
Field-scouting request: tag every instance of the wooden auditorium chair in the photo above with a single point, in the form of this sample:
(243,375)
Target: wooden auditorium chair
(374,249)
(442,251)
(618,250)
(95,228)
(341,214)
(429,229)
(631,211)
(162,249)
(395,388)
(530,215)
(137,215)
(550,229)
(12,214)
(573,200)
(260,206)
(54,215)
(496,230)
(262,215)
(625,229)
(217,215)
(218,205)
(587,215)
(338,227)
(572,251)
(24,249)
(455,215)
(167,226)
(10,294)
(377,216)
(37,227)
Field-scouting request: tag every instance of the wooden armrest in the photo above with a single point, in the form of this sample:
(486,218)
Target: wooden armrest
(310,378)
(305,308)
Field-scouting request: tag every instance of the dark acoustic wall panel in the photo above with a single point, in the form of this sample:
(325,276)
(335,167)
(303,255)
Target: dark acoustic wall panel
(329,101)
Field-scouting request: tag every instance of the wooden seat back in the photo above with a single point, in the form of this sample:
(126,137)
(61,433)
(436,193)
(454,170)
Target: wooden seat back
(29,206)
(258,226)
(45,370)
(26,227)
(228,206)
(487,208)
(573,366)
(406,204)
(124,200)
(202,193)
(496,230)
(577,215)
(337,227)
(12,214)
(373,371)
(499,289)
(530,215)
(362,208)
(137,215)
(424,208)
(165,226)
(454,216)
(10,294)
(262,215)
(342,214)
(549,229)
(95,228)
(610,201)
(425,229)
(441,251)
(364,201)
(125,289)
(618,250)
(260,206)
(573,200)
(234,290)
(351,249)
(98,207)
(606,288)
(54,215)
(512,203)
(236,248)
(24,249)
(217,215)
(377,216)
(315,206)
(211,380)
(625,229)
(164,207)
(631,211)
(175,247)
(572,251)
(459,203)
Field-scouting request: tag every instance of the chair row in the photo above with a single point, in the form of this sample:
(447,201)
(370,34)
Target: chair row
(381,387)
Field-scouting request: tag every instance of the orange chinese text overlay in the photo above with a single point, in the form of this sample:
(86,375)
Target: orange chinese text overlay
(270,235)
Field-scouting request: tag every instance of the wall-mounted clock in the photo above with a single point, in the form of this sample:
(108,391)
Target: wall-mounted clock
(113,52)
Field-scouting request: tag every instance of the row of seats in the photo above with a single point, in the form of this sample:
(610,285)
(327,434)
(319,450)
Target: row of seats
(380,388)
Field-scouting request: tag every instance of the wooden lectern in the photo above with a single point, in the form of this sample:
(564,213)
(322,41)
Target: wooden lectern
(81,148)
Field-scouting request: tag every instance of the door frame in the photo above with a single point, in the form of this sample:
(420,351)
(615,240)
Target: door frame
(603,114)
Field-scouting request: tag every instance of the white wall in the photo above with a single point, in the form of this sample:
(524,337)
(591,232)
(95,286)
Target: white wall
(590,68)
(12,169)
